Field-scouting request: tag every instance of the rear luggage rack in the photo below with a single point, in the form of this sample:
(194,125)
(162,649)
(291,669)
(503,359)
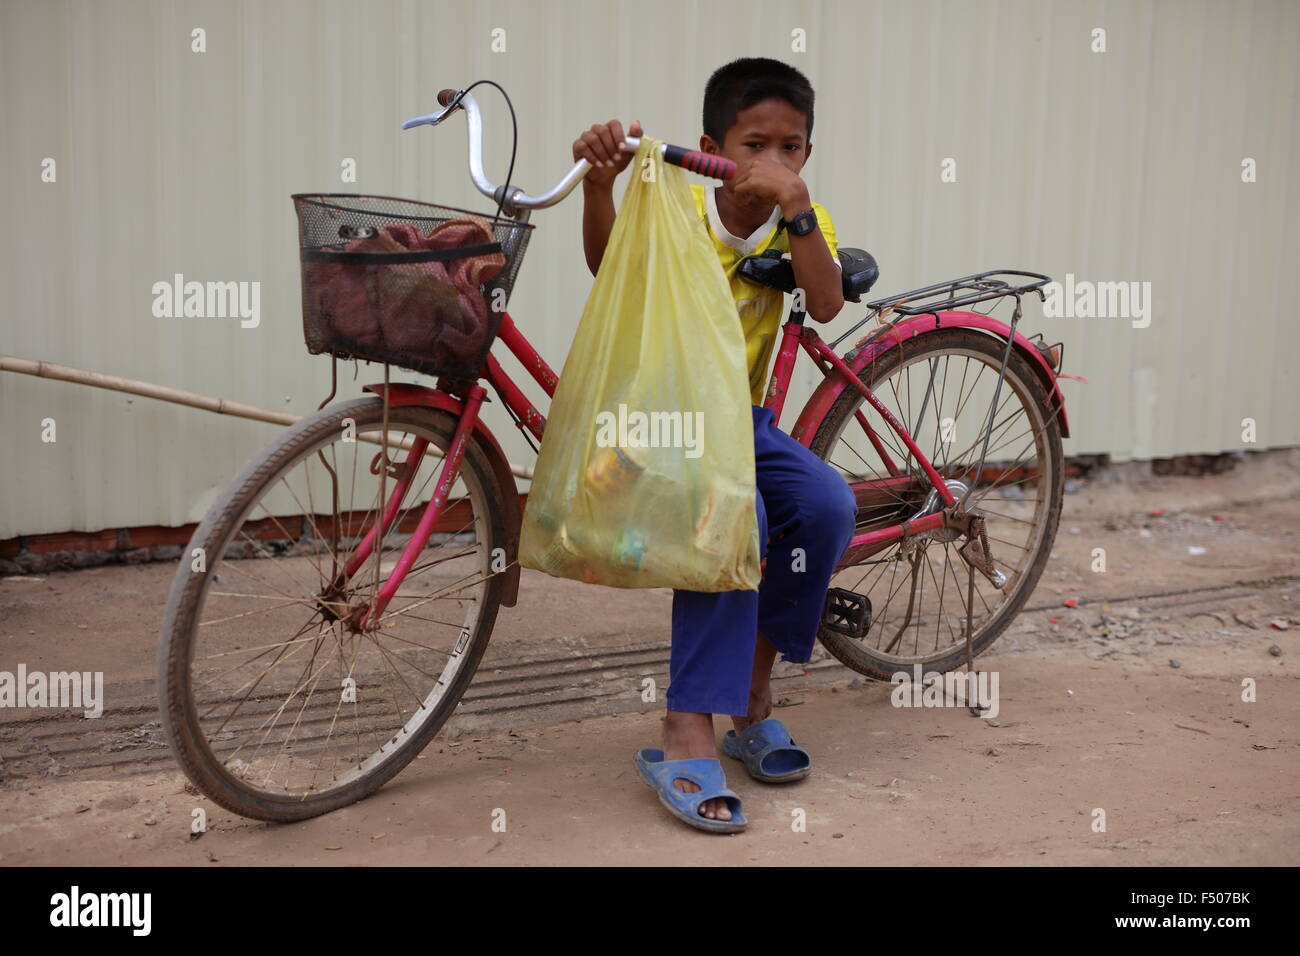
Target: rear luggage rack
(953,294)
(959,292)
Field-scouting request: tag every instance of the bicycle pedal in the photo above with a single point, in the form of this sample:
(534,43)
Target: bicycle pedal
(847,613)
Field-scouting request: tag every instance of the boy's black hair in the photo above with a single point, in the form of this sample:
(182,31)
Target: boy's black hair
(742,83)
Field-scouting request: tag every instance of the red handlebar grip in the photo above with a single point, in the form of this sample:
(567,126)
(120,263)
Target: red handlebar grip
(445,96)
(706,164)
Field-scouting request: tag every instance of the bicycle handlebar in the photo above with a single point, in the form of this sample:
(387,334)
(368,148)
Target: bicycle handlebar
(706,164)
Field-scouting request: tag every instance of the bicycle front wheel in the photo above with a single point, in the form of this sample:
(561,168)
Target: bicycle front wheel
(283,695)
(941,387)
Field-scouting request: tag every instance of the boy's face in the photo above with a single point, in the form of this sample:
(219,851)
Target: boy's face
(771,128)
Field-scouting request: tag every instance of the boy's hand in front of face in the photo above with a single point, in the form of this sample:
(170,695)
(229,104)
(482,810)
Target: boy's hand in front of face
(600,147)
(765,182)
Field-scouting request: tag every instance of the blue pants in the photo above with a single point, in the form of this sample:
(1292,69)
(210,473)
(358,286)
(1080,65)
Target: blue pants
(803,503)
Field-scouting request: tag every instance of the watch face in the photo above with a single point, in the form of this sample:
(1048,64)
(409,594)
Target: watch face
(803,223)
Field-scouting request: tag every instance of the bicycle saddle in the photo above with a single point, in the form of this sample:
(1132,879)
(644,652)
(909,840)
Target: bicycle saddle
(859,272)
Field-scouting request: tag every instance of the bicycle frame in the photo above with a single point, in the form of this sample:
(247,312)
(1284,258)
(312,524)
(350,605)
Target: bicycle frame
(839,373)
(920,306)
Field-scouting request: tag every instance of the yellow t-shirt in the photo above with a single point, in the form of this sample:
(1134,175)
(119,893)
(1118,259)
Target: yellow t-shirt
(761,308)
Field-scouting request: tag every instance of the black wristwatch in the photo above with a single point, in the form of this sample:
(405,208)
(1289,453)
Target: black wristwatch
(801,224)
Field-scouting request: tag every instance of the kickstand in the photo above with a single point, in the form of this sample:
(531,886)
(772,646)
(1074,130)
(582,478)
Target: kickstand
(970,657)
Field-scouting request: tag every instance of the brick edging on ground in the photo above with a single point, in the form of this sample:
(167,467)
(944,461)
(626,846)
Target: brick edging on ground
(28,554)
(85,549)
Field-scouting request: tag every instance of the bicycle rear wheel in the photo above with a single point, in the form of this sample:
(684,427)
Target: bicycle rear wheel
(279,700)
(940,387)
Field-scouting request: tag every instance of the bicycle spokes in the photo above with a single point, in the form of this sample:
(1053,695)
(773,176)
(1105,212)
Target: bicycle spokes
(299,686)
(986,441)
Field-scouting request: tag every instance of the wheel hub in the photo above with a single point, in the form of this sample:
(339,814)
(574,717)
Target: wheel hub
(933,505)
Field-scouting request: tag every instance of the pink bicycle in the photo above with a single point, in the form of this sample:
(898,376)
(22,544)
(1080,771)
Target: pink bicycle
(333,605)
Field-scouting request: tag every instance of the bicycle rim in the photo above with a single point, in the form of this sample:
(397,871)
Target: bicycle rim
(941,387)
(280,701)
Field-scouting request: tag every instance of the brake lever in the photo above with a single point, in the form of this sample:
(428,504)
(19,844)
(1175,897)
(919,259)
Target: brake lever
(433,119)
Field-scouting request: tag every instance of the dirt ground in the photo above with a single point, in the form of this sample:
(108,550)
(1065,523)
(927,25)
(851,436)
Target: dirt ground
(1130,703)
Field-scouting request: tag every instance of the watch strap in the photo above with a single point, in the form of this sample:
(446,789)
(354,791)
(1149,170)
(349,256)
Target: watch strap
(802,224)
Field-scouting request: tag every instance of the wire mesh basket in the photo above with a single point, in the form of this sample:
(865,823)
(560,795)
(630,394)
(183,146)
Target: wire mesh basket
(405,282)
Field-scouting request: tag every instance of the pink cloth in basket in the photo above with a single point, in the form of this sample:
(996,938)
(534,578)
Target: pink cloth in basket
(431,311)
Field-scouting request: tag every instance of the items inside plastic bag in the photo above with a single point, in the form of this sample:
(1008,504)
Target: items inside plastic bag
(645,476)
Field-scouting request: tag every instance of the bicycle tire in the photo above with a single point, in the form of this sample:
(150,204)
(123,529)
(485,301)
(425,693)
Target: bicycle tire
(180,720)
(854,653)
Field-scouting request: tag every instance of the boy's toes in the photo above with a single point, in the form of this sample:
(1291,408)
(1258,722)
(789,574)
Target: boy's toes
(715,809)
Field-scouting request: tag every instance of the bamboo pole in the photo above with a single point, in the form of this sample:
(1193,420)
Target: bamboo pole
(164,393)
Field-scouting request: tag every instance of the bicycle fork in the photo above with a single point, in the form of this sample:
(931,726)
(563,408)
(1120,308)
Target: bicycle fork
(369,617)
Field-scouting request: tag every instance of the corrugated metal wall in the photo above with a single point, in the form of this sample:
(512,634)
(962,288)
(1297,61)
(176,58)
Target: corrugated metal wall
(1115,166)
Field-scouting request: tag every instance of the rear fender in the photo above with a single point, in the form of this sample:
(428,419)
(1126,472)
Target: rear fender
(874,345)
(402,394)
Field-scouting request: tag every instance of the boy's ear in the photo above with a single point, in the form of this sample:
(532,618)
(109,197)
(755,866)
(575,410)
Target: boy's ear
(708,144)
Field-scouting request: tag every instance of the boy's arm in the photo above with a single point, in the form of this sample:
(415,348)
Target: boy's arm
(815,269)
(597,221)
(600,147)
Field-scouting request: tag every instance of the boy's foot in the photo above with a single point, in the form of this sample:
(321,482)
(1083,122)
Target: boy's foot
(768,752)
(779,764)
(760,704)
(760,685)
(691,735)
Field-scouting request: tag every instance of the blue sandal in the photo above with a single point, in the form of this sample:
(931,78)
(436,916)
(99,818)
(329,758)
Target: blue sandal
(704,772)
(768,752)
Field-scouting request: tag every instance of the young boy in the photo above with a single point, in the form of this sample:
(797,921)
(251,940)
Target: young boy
(759,113)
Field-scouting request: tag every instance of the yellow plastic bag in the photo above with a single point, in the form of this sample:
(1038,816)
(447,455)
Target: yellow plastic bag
(645,477)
